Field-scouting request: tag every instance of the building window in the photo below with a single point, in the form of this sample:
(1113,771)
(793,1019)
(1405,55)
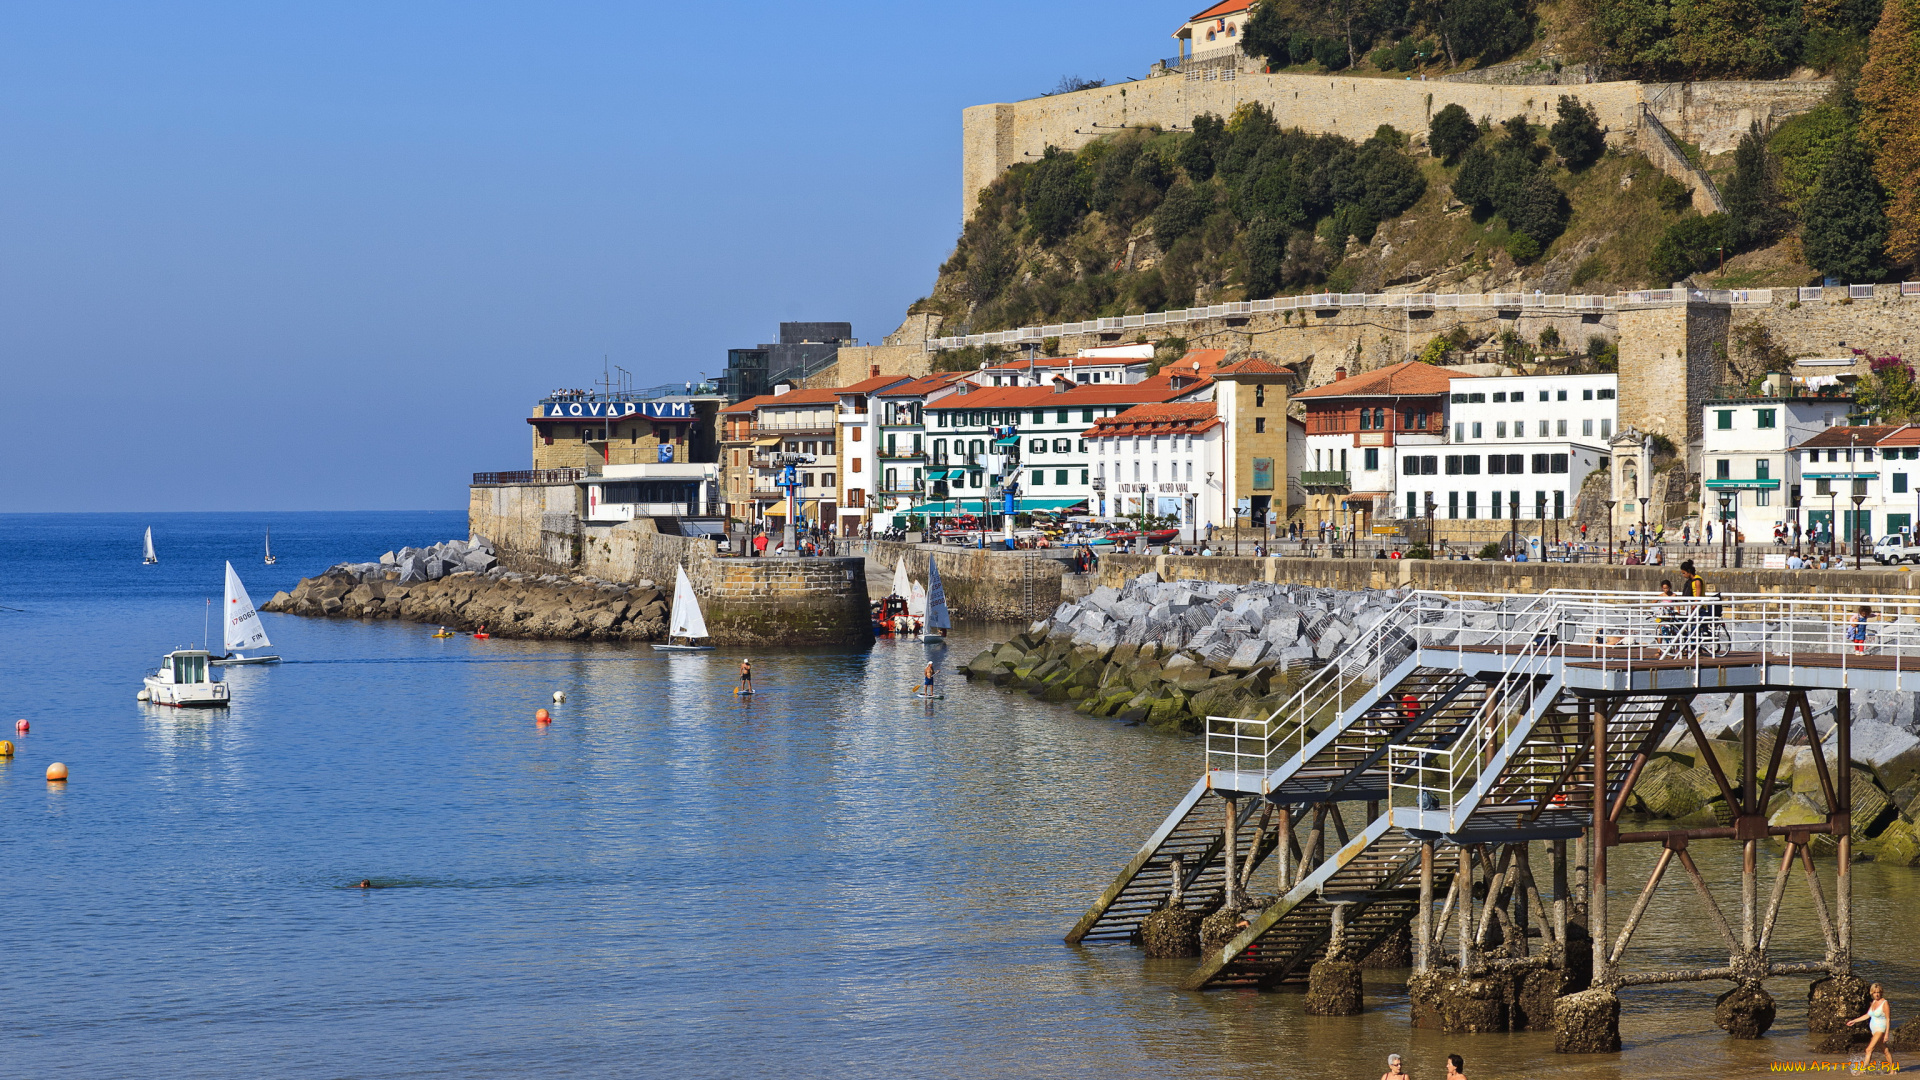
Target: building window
(1083,478)
(853,436)
(855,467)
(1763,497)
(1083,445)
(1453,505)
(1453,464)
(1899,483)
(1723,420)
(1560,396)
(1459,432)
(1586,428)
(1259,395)
(1060,477)
(1723,469)
(1557,463)
(1062,446)
(1500,430)
(1540,462)
(826,479)
(1372,460)
(1086,416)
(1543,428)
(1559,505)
(1476,429)
(1763,470)
(1060,416)
(1366,419)
(1587,394)
(893,480)
(1501,397)
(1560,427)
(1606,429)
(1259,425)
(1606,394)
(1343,461)
(1823,487)
(1472,511)
(1039,478)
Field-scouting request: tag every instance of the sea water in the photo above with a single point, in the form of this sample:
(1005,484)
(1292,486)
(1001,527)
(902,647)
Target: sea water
(832,879)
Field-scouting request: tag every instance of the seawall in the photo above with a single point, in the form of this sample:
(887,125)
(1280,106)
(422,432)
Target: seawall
(981,584)
(537,528)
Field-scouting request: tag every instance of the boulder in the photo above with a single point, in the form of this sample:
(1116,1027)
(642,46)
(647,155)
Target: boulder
(1248,656)
(1744,1012)
(1170,932)
(1587,1023)
(1333,989)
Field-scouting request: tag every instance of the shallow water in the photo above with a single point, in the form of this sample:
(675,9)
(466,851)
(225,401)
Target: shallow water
(830,880)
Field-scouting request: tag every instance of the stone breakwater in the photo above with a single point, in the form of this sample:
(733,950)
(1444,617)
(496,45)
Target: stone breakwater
(459,585)
(1171,653)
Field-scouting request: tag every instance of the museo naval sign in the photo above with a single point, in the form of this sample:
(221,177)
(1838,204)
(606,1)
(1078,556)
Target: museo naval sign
(619,410)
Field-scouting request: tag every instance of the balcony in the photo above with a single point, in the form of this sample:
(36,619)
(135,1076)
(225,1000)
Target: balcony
(1325,478)
(1786,392)
(528,476)
(902,455)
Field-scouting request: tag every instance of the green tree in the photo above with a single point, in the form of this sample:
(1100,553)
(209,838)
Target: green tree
(1688,246)
(1450,133)
(1802,146)
(1269,35)
(1488,29)
(1265,246)
(1055,196)
(1889,392)
(1889,95)
(1755,209)
(1844,224)
(1576,136)
(1183,210)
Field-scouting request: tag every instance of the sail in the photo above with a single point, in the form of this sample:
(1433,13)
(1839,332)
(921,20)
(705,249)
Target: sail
(686,620)
(900,587)
(269,545)
(917,602)
(149,553)
(243,623)
(937,618)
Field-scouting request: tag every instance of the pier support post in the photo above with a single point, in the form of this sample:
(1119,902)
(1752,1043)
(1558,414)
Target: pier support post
(1333,984)
(1230,853)
(1172,931)
(1840,819)
(1465,912)
(1423,916)
(1597,858)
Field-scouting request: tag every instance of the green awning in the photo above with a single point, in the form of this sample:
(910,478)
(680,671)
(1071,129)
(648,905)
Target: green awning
(1027,505)
(936,474)
(1742,485)
(1011,440)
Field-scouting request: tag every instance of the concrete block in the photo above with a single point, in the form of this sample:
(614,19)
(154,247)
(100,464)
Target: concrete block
(1248,655)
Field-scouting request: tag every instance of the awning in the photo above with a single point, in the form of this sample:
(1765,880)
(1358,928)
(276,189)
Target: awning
(775,441)
(1029,505)
(1742,485)
(1011,440)
(936,474)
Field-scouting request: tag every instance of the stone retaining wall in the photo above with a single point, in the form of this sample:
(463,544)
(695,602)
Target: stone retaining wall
(981,584)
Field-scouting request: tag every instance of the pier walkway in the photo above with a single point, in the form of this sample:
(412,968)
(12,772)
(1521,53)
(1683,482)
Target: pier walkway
(1458,732)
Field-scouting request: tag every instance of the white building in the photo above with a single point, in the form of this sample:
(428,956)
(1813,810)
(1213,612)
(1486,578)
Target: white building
(1162,460)
(1101,365)
(1512,440)
(1753,474)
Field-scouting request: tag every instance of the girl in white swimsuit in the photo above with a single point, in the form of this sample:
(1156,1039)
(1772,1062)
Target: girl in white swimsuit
(1879,1018)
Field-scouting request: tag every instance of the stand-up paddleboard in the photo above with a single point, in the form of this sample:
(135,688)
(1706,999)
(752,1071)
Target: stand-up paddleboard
(686,620)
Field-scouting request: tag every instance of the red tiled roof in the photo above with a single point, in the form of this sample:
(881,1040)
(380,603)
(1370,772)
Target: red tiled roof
(1252,365)
(1858,435)
(1070,361)
(868,386)
(1158,388)
(926,384)
(792,397)
(1404,379)
(1185,417)
(1223,9)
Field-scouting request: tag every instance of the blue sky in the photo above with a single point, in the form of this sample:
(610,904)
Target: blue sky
(325,256)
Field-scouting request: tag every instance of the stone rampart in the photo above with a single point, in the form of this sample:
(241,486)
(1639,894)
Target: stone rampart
(531,525)
(1711,115)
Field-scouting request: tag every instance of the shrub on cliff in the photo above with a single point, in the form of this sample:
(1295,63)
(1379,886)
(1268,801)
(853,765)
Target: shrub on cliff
(1576,136)
(1055,196)
(1505,177)
(1689,246)
(1451,133)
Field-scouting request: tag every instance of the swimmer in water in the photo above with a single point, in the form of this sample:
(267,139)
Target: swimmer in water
(1394,1069)
(365,883)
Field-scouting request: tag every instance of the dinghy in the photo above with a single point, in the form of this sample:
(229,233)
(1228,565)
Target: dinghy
(270,558)
(243,629)
(938,621)
(151,558)
(686,620)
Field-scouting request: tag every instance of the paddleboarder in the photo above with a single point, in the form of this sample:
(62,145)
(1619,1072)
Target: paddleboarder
(746,677)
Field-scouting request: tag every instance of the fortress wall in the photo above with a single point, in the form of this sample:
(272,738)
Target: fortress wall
(997,136)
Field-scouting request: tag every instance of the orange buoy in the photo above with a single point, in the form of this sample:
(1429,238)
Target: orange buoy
(6,748)
(20,726)
(540,717)
(56,771)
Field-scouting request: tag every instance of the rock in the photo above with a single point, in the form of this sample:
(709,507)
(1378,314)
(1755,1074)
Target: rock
(1248,655)
(1587,1023)
(1425,990)
(280,602)
(1473,1006)
(1393,951)
(1333,989)
(1833,1001)
(1906,1037)
(1897,845)
(1538,990)
(1744,1012)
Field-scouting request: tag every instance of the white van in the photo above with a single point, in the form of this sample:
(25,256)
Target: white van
(1896,548)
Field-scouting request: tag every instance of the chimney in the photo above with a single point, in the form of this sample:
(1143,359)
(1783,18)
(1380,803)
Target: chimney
(965,387)
(873,372)
(1339,373)
(781,388)
(1061,386)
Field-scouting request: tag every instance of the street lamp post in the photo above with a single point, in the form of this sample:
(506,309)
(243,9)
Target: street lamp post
(1833,521)
(1857,500)
(1430,509)
(1643,529)
(1611,503)
(1725,529)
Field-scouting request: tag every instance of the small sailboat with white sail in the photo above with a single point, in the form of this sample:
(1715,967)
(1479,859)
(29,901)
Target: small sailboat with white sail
(150,558)
(242,626)
(938,621)
(270,559)
(685,621)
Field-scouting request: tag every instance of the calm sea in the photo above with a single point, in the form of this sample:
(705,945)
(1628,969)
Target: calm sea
(832,880)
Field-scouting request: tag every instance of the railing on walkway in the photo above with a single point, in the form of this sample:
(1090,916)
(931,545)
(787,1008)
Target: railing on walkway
(529,476)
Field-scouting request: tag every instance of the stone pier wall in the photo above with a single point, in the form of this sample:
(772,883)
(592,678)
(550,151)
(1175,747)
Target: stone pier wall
(747,601)
(981,584)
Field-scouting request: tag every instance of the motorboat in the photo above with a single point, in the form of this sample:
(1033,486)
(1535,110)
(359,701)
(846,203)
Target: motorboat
(241,626)
(186,680)
(685,621)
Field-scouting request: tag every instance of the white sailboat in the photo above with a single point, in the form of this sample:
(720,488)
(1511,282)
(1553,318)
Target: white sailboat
(685,620)
(151,558)
(242,623)
(901,587)
(270,558)
(938,621)
(917,602)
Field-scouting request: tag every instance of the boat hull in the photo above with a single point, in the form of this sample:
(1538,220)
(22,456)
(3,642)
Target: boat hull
(207,695)
(240,660)
(683,648)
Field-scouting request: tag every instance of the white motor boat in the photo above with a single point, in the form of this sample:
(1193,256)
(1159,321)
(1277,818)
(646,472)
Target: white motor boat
(686,620)
(186,679)
(242,629)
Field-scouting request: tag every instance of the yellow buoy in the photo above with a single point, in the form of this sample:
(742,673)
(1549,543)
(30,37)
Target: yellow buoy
(6,748)
(56,771)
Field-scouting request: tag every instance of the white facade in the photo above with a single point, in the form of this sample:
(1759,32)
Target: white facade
(664,489)
(1180,476)
(1493,409)
(1750,470)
